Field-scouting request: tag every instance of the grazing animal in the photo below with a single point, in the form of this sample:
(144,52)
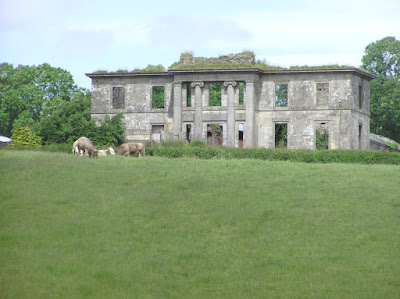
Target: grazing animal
(106,152)
(75,150)
(86,145)
(131,148)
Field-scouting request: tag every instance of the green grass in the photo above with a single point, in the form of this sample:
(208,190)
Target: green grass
(118,227)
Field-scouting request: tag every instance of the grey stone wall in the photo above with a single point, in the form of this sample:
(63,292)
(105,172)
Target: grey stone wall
(328,97)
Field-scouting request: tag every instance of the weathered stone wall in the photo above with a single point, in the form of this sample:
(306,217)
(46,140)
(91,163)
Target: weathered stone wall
(338,111)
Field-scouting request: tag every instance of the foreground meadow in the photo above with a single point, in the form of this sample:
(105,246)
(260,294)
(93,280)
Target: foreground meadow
(117,227)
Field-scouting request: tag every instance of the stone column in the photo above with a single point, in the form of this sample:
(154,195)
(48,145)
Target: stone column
(177,113)
(249,127)
(198,110)
(230,122)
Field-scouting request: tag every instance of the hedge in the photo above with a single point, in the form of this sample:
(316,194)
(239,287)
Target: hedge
(307,156)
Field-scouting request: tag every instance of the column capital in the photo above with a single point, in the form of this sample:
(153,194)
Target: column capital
(197,83)
(227,83)
(178,83)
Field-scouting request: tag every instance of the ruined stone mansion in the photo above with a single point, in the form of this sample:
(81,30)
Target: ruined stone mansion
(249,106)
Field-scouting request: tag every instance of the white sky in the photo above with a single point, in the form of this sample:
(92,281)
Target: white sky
(83,36)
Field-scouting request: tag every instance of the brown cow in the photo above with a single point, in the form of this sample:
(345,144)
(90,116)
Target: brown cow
(86,145)
(126,149)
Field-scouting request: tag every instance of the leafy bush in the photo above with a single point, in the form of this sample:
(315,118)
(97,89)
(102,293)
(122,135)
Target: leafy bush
(23,137)
(198,143)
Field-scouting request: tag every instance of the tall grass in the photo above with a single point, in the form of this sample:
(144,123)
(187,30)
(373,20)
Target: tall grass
(148,228)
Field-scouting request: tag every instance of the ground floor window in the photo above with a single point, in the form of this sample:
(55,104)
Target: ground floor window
(215,134)
(322,136)
(156,131)
(188,133)
(240,137)
(281,135)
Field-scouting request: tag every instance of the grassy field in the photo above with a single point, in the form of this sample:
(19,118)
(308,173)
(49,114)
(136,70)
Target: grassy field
(118,227)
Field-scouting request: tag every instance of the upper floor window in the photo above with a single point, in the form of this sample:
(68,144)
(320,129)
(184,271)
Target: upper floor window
(215,94)
(188,95)
(241,93)
(360,96)
(322,94)
(118,97)
(157,97)
(281,95)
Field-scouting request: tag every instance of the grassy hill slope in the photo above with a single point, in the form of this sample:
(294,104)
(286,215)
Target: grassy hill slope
(126,227)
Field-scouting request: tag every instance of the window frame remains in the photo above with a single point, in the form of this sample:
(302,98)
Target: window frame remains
(158,97)
(281,95)
(118,97)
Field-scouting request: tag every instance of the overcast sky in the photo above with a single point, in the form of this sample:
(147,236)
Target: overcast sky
(83,36)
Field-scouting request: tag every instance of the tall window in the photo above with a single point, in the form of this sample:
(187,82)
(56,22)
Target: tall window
(281,135)
(241,93)
(118,97)
(360,97)
(158,97)
(281,95)
(215,94)
(322,94)
(322,136)
(240,137)
(189,96)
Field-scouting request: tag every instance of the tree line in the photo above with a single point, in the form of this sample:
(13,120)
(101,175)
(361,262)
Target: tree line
(45,100)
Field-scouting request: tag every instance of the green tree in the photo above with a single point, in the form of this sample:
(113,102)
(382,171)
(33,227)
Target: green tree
(34,91)
(382,59)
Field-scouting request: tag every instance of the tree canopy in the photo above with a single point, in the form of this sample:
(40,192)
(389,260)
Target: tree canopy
(46,100)
(382,58)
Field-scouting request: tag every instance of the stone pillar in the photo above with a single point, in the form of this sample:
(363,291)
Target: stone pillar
(198,110)
(249,127)
(177,127)
(230,122)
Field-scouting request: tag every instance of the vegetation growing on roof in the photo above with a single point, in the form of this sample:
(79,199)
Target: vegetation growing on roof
(245,59)
(101,72)
(151,69)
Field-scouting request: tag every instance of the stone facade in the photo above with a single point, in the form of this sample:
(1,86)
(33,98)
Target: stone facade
(253,103)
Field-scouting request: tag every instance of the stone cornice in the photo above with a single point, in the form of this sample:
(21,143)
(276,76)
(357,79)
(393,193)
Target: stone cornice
(349,70)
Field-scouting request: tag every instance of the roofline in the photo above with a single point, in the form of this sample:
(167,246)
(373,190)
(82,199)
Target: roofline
(354,70)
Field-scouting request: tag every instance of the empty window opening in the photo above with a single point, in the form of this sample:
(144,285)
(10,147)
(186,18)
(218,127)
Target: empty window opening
(281,95)
(189,96)
(215,94)
(214,134)
(158,97)
(360,97)
(156,132)
(240,139)
(280,135)
(241,93)
(118,98)
(322,136)
(359,136)
(322,94)
(189,133)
